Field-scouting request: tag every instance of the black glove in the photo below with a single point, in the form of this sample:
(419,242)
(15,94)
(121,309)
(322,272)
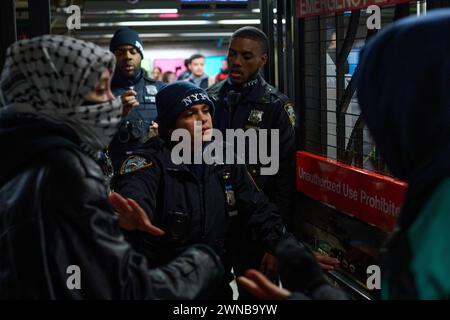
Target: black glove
(299,270)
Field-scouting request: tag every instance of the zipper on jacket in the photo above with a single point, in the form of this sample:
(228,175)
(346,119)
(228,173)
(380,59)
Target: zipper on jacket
(202,203)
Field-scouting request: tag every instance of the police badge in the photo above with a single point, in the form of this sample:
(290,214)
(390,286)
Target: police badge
(151,90)
(231,202)
(254,119)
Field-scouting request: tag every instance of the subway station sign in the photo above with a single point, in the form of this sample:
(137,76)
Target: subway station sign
(309,8)
(370,197)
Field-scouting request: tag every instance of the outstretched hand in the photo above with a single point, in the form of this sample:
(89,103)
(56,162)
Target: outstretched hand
(132,216)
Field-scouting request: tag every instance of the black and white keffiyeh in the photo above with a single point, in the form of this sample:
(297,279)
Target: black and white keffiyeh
(48,77)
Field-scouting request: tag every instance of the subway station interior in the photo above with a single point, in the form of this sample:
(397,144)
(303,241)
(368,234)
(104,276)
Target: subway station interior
(348,198)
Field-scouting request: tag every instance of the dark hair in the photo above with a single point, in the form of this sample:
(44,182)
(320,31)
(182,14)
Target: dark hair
(196,56)
(166,75)
(253,34)
(157,68)
(187,62)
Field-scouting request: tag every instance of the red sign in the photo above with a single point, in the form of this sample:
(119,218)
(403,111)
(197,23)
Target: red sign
(309,8)
(371,197)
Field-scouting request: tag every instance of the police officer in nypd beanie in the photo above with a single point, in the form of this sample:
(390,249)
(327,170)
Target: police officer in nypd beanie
(193,203)
(137,92)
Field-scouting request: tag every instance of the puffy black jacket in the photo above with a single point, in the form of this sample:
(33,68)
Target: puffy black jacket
(54,213)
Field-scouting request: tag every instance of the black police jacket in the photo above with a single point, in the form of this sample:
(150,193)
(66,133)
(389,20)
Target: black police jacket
(191,209)
(259,105)
(55,217)
(133,130)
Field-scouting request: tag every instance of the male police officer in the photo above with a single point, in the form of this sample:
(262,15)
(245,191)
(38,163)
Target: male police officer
(138,95)
(246,101)
(194,203)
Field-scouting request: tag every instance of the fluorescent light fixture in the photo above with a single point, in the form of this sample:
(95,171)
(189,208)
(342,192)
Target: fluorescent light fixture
(150,11)
(258,10)
(154,35)
(149,23)
(100,24)
(142,35)
(206,34)
(240,21)
(92,36)
(165,23)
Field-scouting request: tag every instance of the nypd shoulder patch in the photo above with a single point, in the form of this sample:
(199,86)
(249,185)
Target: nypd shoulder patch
(134,163)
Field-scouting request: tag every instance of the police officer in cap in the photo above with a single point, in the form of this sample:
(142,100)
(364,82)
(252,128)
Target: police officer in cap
(137,92)
(246,101)
(193,203)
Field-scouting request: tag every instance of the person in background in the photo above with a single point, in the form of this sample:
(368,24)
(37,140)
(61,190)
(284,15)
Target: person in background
(157,74)
(186,73)
(407,111)
(57,113)
(223,74)
(198,75)
(137,93)
(169,77)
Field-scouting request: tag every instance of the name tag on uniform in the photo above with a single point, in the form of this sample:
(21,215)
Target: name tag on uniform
(150,99)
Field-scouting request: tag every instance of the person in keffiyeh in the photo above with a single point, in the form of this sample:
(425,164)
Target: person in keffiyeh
(59,235)
(49,78)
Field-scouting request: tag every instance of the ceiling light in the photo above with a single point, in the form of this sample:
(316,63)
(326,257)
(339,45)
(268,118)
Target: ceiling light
(149,11)
(110,35)
(240,21)
(165,23)
(149,23)
(258,10)
(154,35)
(206,34)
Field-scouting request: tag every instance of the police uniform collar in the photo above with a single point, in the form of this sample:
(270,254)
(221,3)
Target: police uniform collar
(148,79)
(257,93)
(246,85)
(166,146)
(121,81)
